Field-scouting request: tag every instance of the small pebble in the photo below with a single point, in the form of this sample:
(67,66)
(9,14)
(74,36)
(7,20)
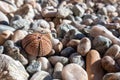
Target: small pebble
(55,59)
(57,71)
(41,75)
(34,66)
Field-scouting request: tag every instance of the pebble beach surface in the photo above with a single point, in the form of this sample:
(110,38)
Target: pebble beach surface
(59,39)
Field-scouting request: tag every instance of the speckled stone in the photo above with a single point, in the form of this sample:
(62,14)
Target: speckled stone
(34,66)
(77,59)
(14,52)
(11,69)
(55,59)
(101,44)
(21,24)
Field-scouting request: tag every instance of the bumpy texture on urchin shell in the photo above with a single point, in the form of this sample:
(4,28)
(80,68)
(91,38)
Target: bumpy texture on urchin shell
(37,44)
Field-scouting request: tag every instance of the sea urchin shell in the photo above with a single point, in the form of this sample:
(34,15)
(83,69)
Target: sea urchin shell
(37,44)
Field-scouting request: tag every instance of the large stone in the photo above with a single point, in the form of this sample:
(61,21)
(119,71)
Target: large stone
(7,8)
(93,66)
(11,69)
(74,72)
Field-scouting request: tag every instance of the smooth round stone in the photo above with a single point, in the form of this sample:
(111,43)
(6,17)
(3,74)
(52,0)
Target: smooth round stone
(57,71)
(74,72)
(77,59)
(73,43)
(41,75)
(5,35)
(18,35)
(101,44)
(7,8)
(3,18)
(34,66)
(45,64)
(55,59)
(67,51)
(5,27)
(84,46)
(1,49)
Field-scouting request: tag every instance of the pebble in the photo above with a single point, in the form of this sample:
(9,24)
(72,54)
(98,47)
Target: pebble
(112,76)
(45,64)
(57,71)
(34,66)
(77,59)
(26,11)
(84,46)
(5,27)
(18,35)
(93,65)
(67,51)
(41,75)
(12,69)
(1,49)
(71,71)
(78,10)
(21,24)
(55,59)
(5,35)
(3,19)
(7,8)
(14,52)
(101,44)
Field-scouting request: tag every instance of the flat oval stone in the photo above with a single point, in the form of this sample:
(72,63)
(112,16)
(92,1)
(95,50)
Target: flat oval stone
(5,27)
(55,59)
(41,75)
(74,72)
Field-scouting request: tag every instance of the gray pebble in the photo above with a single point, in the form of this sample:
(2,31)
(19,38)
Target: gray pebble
(101,44)
(55,59)
(1,49)
(34,66)
(77,59)
(67,51)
